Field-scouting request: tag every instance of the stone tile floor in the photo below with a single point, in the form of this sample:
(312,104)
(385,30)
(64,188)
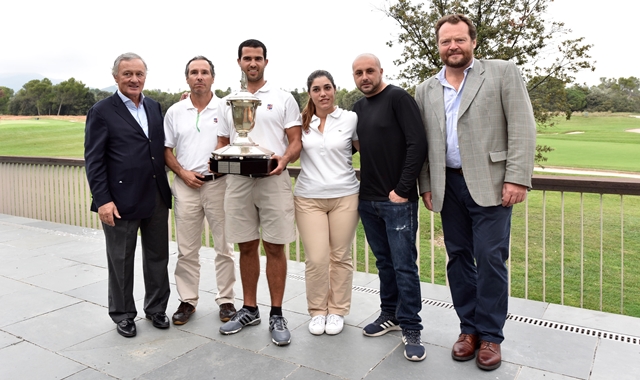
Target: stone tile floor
(54,325)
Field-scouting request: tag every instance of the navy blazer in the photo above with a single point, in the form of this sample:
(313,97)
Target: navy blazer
(123,165)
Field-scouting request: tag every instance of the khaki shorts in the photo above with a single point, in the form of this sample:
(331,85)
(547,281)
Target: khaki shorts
(254,204)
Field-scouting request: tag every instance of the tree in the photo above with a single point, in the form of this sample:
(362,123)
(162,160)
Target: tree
(301,98)
(349,99)
(34,98)
(72,95)
(577,97)
(6,94)
(35,95)
(165,99)
(513,30)
(98,95)
(550,97)
(615,95)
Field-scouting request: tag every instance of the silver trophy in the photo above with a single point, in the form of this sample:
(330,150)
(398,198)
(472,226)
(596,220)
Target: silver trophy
(243,156)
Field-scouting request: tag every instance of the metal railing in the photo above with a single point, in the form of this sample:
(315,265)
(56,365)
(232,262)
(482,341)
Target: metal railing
(555,257)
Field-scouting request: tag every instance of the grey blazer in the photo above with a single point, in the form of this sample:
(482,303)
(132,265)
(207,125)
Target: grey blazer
(496,133)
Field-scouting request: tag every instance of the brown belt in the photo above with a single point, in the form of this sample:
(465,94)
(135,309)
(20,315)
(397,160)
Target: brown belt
(455,170)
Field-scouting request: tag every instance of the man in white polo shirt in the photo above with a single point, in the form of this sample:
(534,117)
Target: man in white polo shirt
(262,207)
(191,128)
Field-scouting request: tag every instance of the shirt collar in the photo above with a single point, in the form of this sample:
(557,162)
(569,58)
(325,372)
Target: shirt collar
(126,100)
(335,114)
(212,103)
(441,74)
(265,88)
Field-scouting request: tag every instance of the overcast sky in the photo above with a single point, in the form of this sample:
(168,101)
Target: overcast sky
(78,38)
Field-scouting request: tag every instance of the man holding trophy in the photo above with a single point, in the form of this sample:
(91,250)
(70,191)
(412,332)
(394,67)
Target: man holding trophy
(259,204)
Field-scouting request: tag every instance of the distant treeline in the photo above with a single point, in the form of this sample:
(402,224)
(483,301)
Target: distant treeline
(71,97)
(611,95)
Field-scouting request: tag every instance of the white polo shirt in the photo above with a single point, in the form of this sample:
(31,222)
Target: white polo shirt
(278,112)
(327,170)
(193,135)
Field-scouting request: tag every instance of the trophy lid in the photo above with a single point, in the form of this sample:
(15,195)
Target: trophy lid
(243,94)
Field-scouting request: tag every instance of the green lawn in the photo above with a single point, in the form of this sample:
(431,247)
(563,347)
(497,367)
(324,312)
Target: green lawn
(46,137)
(599,141)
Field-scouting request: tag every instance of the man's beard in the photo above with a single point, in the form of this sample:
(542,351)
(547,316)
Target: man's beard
(463,60)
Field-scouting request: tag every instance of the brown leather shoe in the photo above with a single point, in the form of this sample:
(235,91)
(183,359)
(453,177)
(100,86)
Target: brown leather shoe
(465,347)
(227,311)
(489,356)
(181,316)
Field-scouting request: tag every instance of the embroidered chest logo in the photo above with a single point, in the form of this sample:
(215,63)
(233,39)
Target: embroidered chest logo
(215,120)
(269,106)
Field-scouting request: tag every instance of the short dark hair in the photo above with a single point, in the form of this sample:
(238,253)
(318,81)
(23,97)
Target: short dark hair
(199,58)
(454,19)
(252,44)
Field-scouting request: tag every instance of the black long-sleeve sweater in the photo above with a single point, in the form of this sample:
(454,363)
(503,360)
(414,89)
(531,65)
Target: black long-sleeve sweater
(393,144)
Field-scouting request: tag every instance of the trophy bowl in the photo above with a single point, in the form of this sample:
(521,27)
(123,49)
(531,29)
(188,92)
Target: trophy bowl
(243,156)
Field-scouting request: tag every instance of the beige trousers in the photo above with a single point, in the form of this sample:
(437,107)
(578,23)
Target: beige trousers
(191,207)
(327,228)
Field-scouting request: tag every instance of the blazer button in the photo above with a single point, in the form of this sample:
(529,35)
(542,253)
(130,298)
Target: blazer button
(119,181)
(153,158)
(154,176)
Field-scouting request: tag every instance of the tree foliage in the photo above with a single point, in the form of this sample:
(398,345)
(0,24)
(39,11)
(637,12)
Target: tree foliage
(166,99)
(350,98)
(41,97)
(5,97)
(515,30)
(98,95)
(72,97)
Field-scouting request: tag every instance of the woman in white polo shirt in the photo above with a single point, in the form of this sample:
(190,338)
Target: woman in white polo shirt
(326,202)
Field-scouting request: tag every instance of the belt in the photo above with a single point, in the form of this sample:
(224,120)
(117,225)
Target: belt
(211,177)
(455,170)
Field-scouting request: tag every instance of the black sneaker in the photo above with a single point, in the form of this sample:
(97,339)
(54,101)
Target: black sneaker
(381,326)
(413,348)
(242,318)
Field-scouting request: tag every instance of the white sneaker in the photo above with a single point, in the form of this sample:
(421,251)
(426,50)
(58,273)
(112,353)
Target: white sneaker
(316,326)
(335,323)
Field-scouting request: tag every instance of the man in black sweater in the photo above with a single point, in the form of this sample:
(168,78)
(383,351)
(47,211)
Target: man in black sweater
(393,148)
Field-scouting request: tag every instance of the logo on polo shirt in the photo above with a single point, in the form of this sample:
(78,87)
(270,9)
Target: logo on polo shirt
(269,106)
(215,120)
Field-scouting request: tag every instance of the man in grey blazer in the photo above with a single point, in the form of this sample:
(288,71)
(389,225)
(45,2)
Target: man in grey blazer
(481,134)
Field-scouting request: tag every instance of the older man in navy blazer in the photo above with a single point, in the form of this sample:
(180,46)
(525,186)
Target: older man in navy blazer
(124,158)
(482,136)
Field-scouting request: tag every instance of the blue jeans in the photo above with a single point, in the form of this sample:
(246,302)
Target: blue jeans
(391,232)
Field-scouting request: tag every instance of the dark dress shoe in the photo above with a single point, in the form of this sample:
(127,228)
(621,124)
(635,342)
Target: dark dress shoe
(227,311)
(489,356)
(182,315)
(160,320)
(465,347)
(126,328)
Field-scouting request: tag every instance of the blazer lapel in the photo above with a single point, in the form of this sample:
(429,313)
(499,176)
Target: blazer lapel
(123,111)
(151,117)
(436,95)
(474,80)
